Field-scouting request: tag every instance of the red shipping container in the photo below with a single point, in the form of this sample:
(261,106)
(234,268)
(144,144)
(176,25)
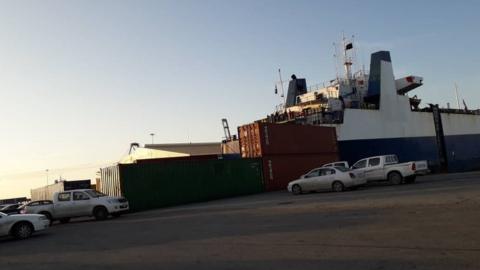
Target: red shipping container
(265,139)
(279,170)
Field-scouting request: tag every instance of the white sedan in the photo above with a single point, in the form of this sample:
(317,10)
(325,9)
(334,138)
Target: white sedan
(22,226)
(331,178)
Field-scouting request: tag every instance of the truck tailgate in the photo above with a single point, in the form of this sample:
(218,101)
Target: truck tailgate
(421,167)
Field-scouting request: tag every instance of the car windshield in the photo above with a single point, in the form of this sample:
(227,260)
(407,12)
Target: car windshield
(94,193)
(342,169)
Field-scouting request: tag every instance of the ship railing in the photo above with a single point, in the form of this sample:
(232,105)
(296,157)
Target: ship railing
(309,116)
(452,111)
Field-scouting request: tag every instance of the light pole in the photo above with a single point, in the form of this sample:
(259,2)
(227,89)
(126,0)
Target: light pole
(153,135)
(46,187)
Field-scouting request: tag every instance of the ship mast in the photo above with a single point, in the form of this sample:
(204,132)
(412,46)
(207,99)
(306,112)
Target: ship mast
(347,61)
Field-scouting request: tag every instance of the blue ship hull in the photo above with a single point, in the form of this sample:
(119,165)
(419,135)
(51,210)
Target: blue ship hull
(463,151)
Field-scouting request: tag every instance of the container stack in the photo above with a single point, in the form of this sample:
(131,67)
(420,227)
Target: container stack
(287,150)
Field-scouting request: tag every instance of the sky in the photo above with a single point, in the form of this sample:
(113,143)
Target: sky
(81,80)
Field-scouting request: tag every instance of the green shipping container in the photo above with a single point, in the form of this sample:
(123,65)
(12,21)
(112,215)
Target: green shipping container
(149,186)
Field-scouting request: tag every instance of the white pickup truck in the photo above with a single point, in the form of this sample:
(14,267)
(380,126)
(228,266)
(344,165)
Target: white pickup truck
(78,203)
(381,168)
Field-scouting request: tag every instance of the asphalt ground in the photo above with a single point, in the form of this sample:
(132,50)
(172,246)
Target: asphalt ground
(432,224)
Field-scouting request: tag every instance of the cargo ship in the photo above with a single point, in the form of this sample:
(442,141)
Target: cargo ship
(374,114)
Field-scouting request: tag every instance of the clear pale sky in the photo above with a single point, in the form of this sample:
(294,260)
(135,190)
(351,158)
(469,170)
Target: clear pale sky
(81,80)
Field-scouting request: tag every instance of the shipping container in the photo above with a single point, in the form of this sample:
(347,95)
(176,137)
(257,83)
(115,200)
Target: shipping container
(175,182)
(279,170)
(77,184)
(46,192)
(265,139)
(110,181)
(97,184)
(231,147)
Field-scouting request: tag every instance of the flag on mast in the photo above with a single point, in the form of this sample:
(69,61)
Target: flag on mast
(349,46)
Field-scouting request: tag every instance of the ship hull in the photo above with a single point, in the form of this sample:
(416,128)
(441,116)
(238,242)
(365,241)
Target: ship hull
(448,141)
(463,151)
(407,149)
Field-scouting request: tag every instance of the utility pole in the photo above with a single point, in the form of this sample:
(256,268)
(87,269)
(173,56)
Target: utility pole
(46,187)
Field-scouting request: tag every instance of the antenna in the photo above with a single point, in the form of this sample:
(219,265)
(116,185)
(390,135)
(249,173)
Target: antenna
(347,61)
(456,96)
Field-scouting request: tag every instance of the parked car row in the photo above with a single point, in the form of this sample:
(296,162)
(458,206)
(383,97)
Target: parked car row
(338,176)
(20,221)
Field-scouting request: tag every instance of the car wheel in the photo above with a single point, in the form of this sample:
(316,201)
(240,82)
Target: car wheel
(410,179)
(395,178)
(100,213)
(338,186)
(297,189)
(64,220)
(22,230)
